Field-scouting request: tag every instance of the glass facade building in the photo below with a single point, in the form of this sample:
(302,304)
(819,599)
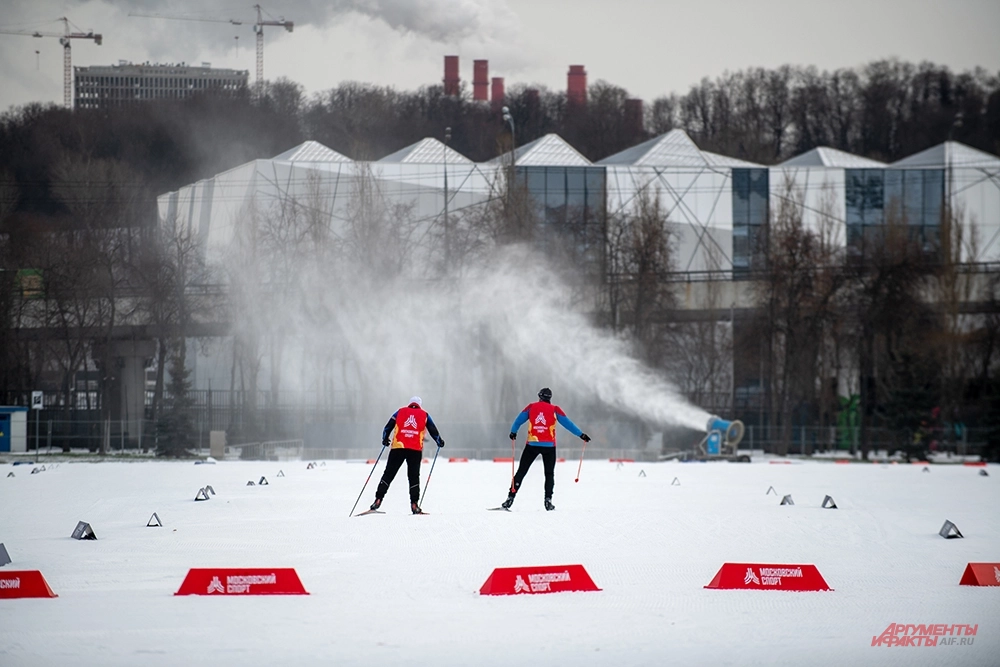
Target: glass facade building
(571,202)
(751,188)
(874,198)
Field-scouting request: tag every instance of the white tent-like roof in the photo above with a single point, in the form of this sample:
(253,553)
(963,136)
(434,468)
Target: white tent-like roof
(716,160)
(673,149)
(311,151)
(548,151)
(949,154)
(427,150)
(824,156)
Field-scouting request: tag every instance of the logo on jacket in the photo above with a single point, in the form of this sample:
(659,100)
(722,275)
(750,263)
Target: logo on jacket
(521,586)
(750,576)
(411,422)
(540,419)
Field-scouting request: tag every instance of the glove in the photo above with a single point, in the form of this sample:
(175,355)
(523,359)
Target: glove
(385,443)
(513,436)
(585,437)
(440,442)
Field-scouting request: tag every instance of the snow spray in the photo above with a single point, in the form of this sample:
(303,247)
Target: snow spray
(374,320)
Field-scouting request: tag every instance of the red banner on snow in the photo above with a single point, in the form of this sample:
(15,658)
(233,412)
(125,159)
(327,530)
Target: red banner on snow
(500,459)
(24,584)
(541,579)
(458,459)
(769,577)
(242,581)
(975,464)
(981,574)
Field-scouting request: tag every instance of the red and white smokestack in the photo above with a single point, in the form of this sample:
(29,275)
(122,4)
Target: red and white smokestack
(451,79)
(481,80)
(576,84)
(497,94)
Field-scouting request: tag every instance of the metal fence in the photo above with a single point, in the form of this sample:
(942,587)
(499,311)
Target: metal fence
(322,439)
(809,440)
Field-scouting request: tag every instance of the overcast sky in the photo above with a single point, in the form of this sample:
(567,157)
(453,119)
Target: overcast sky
(649,47)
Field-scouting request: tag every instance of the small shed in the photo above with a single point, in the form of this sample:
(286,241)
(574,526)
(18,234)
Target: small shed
(13,428)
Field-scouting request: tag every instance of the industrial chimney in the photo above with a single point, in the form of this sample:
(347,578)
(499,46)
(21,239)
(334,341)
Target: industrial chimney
(481,80)
(576,85)
(532,99)
(497,94)
(633,118)
(451,79)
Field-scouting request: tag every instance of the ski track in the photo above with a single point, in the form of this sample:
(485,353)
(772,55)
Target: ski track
(403,589)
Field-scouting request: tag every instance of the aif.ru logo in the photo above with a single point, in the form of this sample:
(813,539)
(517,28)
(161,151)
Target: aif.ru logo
(908,634)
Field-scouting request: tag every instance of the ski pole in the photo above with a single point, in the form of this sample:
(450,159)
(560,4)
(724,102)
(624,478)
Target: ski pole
(427,483)
(512,465)
(581,461)
(366,481)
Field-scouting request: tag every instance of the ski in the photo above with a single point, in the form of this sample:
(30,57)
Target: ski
(498,509)
(419,513)
(369,512)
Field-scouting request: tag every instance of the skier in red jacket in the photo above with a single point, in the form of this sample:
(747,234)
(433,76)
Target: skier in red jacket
(405,430)
(542,417)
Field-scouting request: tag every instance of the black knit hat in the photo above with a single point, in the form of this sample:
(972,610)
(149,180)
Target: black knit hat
(545,394)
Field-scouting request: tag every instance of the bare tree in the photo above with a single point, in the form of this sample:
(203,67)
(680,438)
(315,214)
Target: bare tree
(890,321)
(640,254)
(797,295)
(954,287)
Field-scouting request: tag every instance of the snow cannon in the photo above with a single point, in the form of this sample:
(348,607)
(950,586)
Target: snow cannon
(722,439)
(729,433)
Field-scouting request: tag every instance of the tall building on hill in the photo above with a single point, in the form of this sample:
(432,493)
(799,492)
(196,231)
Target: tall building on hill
(103,87)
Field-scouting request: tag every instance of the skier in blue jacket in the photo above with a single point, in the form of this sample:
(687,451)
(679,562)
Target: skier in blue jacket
(542,417)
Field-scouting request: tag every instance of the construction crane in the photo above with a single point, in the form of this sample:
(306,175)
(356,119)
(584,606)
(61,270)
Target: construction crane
(65,38)
(258,27)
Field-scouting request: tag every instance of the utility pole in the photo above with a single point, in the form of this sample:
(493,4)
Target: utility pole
(447,238)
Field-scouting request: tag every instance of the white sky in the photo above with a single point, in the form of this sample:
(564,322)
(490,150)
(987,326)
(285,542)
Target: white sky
(650,48)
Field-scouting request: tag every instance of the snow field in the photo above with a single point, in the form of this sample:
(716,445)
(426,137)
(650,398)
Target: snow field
(403,590)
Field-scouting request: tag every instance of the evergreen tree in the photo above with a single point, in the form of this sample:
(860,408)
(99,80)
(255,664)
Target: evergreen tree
(174,429)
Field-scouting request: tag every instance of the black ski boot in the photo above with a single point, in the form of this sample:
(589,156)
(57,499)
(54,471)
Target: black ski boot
(415,508)
(548,505)
(507,503)
(376,504)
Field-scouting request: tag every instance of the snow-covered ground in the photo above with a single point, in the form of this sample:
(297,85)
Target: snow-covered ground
(397,589)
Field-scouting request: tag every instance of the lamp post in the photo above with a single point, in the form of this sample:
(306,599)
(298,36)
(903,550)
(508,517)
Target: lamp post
(509,120)
(956,123)
(447,239)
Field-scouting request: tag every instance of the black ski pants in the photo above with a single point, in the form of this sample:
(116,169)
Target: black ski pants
(528,456)
(392,466)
